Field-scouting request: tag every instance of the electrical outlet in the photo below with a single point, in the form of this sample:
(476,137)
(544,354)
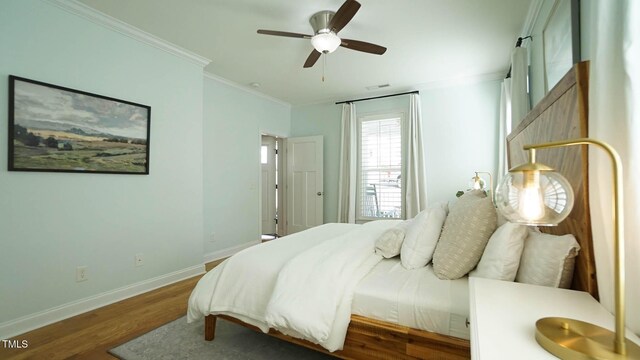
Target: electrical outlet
(139,259)
(213,237)
(81,274)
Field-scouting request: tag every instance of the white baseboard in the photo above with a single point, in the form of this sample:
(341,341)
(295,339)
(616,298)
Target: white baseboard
(221,254)
(30,322)
(27,323)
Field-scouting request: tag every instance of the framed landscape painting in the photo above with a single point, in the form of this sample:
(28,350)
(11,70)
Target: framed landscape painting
(53,128)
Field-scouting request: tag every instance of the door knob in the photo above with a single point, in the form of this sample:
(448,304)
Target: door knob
(319,193)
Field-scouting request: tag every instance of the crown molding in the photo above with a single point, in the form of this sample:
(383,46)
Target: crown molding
(467,80)
(440,84)
(77,8)
(244,88)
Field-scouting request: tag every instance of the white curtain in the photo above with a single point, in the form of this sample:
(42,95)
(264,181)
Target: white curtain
(519,95)
(348,165)
(504,129)
(415,183)
(614,117)
(514,104)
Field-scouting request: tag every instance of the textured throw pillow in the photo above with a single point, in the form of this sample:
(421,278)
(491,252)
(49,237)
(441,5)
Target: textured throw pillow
(501,256)
(390,242)
(465,234)
(421,237)
(548,260)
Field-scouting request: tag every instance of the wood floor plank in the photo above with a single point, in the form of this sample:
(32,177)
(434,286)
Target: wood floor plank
(90,335)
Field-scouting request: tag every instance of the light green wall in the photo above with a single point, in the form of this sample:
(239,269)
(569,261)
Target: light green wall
(460,125)
(52,222)
(234,119)
(461,136)
(323,119)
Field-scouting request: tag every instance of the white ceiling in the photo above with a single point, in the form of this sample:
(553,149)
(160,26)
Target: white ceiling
(429,42)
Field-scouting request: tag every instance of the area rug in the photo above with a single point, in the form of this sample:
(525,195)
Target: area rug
(179,340)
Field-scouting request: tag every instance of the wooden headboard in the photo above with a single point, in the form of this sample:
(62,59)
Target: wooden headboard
(563,114)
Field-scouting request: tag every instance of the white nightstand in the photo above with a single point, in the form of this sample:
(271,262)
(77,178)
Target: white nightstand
(503,317)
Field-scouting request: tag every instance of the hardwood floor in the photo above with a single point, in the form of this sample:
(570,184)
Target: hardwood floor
(90,335)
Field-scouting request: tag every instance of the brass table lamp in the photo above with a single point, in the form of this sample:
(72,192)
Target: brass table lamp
(533,194)
(478,183)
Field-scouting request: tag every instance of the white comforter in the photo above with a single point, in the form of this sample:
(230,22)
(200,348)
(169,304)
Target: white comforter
(301,284)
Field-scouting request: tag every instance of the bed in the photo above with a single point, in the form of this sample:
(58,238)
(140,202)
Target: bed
(382,322)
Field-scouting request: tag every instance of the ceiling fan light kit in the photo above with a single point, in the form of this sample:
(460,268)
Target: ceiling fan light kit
(326,42)
(326,25)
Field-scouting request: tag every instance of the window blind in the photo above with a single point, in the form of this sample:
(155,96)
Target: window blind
(380,184)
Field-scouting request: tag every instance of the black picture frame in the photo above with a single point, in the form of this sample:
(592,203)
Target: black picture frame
(58,129)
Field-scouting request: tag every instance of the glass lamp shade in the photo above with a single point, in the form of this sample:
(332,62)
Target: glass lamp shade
(326,42)
(477,183)
(534,197)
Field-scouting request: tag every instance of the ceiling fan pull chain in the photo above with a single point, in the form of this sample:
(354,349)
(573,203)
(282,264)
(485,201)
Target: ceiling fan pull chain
(324,65)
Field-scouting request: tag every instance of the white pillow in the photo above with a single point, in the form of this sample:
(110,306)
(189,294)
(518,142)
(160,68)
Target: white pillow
(421,237)
(501,257)
(390,242)
(548,260)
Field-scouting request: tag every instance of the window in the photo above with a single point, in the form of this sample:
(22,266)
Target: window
(264,155)
(379,186)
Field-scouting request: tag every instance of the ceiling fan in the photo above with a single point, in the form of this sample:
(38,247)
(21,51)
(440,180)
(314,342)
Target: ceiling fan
(326,25)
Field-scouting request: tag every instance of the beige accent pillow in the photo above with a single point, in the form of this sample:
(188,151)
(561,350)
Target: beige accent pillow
(390,242)
(548,260)
(501,256)
(465,234)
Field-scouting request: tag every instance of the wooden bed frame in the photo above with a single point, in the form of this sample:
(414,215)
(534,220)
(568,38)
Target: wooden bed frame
(562,114)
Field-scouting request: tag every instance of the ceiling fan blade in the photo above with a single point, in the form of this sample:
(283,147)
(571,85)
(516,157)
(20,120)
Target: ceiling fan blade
(363,46)
(284,33)
(344,15)
(313,57)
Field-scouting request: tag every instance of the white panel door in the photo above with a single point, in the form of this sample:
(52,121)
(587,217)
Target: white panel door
(268,184)
(304,183)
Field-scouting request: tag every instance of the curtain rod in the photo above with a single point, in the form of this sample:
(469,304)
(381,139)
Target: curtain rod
(519,41)
(378,97)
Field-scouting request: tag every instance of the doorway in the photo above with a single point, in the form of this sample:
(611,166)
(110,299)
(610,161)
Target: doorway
(269,187)
(297,162)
